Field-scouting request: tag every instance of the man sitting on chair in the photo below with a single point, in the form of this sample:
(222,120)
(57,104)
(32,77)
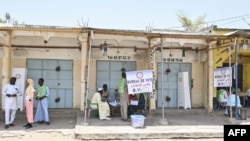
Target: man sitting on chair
(103,107)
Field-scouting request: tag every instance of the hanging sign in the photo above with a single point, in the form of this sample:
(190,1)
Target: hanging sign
(139,81)
(223,77)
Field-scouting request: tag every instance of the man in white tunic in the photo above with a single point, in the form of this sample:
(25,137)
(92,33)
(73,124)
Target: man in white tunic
(103,107)
(10,91)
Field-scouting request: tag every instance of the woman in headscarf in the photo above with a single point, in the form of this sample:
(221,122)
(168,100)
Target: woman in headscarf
(30,93)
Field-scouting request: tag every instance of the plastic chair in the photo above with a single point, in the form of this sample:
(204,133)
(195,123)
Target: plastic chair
(221,105)
(90,108)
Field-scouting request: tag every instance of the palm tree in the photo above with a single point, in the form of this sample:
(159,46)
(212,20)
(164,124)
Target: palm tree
(190,25)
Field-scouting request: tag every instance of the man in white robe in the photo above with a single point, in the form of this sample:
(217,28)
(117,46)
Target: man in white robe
(103,107)
(10,91)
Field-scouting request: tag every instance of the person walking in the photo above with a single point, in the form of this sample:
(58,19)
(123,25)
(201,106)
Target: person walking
(42,115)
(10,91)
(29,102)
(123,93)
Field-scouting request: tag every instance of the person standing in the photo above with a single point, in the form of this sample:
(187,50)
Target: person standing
(30,93)
(123,93)
(42,114)
(10,91)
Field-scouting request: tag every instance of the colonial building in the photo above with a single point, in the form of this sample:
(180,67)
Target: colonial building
(76,61)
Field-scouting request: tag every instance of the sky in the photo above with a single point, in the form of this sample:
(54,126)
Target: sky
(127,14)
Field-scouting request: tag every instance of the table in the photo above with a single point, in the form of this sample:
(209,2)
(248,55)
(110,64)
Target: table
(115,110)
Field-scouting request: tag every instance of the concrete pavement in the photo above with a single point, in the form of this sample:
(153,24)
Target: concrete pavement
(177,124)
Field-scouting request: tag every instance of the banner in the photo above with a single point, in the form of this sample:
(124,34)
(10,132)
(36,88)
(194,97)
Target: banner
(139,81)
(223,77)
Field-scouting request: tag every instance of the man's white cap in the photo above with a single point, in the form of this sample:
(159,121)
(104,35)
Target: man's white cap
(99,89)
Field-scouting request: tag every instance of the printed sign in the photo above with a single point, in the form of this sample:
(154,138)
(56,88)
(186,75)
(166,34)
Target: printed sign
(223,77)
(139,81)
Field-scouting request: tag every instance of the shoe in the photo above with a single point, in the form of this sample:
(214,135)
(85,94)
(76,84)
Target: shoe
(6,126)
(47,122)
(125,119)
(39,122)
(107,118)
(12,125)
(28,126)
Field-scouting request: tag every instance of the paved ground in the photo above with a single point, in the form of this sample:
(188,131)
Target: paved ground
(173,117)
(69,125)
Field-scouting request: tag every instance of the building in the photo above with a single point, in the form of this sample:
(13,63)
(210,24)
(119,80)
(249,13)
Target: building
(76,61)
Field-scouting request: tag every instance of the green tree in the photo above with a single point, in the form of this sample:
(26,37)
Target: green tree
(8,19)
(190,25)
(2,20)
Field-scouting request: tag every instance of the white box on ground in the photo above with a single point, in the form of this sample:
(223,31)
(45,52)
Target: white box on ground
(137,121)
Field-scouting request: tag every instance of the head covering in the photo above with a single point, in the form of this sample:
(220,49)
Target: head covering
(99,89)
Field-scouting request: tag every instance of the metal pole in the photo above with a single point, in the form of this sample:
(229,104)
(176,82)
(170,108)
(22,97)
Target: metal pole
(162,100)
(236,79)
(230,85)
(87,91)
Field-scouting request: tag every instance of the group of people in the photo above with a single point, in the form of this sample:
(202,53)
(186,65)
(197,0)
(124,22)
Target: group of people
(11,91)
(101,98)
(224,98)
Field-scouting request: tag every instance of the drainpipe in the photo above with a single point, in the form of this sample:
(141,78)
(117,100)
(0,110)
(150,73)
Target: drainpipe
(162,99)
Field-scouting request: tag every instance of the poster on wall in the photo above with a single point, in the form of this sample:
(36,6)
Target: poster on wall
(139,81)
(223,77)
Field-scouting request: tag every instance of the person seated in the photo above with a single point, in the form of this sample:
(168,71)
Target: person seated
(138,106)
(132,107)
(103,107)
(232,102)
(105,93)
(247,98)
(222,97)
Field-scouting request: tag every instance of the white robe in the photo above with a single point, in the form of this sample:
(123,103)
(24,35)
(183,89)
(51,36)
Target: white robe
(103,107)
(11,102)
